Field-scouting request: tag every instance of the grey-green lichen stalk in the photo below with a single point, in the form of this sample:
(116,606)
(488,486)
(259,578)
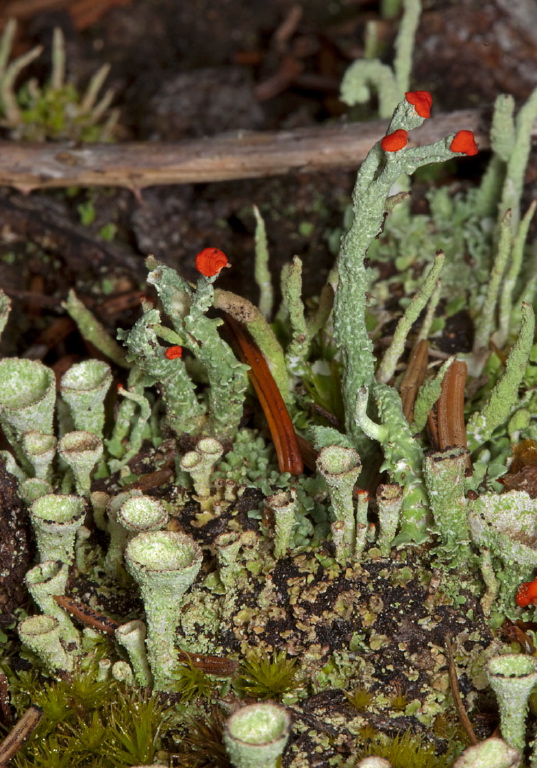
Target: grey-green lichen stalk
(387,160)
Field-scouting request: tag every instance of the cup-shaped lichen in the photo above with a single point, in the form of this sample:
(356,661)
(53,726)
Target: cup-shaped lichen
(283,507)
(200,463)
(142,513)
(491,753)
(512,677)
(84,387)
(27,396)
(164,564)
(227,549)
(192,462)
(56,519)
(132,637)
(444,473)
(255,736)
(340,468)
(33,488)
(374,762)
(45,580)
(81,451)
(39,448)
(42,635)
(389,503)
(210,449)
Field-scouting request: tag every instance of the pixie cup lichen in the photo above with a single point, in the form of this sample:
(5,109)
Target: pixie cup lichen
(44,581)
(283,507)
(142,513)
(40,449)
(512,678)
(255,736)
(27,398)
(132,637)
(56,519)
(340,468)
(164,564)
(42,635)
(81,451)
(84,387)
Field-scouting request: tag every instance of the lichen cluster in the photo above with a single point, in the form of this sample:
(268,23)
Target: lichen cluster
(254,577)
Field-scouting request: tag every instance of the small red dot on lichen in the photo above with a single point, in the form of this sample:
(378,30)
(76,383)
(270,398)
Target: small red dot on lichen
(526,593)
(395,141)
(210,261)
(421,101)
(464,142)
(172,353)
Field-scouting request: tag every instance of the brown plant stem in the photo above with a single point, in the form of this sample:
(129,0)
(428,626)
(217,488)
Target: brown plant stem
(446,420)
(5,711)
(413,378)
(20,733)
(87,615)
(278,419)
(455,692)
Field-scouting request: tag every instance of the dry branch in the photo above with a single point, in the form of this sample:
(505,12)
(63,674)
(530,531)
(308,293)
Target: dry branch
(136,165)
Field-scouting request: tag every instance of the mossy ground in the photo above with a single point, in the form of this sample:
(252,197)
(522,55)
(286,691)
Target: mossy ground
(379,626)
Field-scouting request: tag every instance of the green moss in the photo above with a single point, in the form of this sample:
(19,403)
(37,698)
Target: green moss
(408,750)
(361,699)
(264,677)
(87,722)
(192,683)
(202,745)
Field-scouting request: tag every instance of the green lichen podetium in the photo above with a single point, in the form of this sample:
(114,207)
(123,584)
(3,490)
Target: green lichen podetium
(403,458)
(504,396)
(186,308)
(378,174)
(390,83)
(183,411)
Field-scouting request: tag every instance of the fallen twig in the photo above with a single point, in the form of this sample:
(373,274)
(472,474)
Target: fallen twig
(136,165)
(87,615)
(20,733)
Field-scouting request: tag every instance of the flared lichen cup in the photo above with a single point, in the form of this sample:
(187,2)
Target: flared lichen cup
(255,736)
(44,581)
(42,635)
(512,678)
(81,450)
(506,525)
(340,468)
(142,513)
(164,564)
(56,519)
(84,387)
(491,753)
(27,396)
(40,449)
